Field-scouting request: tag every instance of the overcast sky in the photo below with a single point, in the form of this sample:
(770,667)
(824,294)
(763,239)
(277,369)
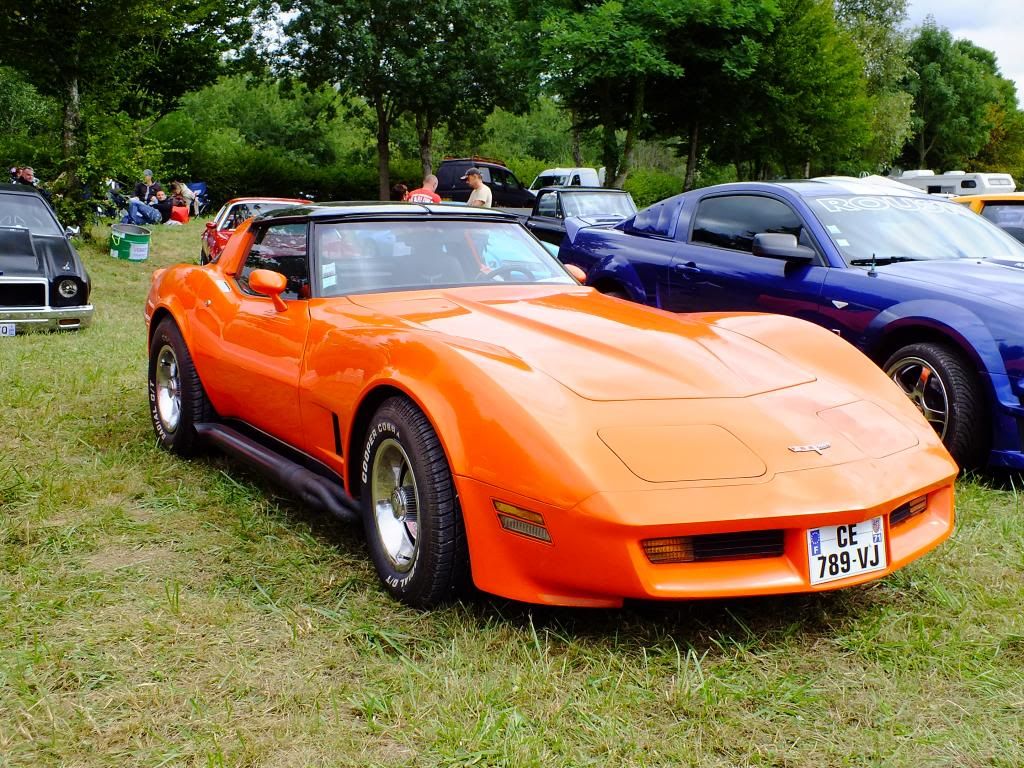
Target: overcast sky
(994,24)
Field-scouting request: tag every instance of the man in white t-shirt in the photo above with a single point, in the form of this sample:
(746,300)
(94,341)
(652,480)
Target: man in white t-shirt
(481,194)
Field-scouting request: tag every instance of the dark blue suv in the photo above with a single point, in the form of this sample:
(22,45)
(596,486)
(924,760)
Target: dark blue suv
(929,290)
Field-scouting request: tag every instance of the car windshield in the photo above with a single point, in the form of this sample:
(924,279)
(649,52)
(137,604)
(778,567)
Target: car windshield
(597,204)
(885,229)
(372,256)
(28,212)
(239,212)
(550,180)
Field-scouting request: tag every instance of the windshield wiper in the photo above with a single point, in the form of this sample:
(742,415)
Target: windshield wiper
(882,261)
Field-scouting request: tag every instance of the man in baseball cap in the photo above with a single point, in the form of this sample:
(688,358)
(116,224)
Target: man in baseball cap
(146,189)
(481,194)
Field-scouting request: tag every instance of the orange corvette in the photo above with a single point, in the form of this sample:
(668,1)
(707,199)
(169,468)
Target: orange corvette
(433,371)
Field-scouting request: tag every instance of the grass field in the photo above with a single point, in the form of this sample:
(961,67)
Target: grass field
(158,612)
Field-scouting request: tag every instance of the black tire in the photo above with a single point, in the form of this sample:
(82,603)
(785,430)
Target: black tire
(171,371)
(964,428)
(428,564)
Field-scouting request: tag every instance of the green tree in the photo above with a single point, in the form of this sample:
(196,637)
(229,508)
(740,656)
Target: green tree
(953,82)
(439,61)
(116,55)
(718,49)
(805,107)
(600,61)
(875,26)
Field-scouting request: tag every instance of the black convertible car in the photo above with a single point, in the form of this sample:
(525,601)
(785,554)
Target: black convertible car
(43,284)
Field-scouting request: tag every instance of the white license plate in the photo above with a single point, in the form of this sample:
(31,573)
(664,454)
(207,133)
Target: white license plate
(8,329)
(837,551)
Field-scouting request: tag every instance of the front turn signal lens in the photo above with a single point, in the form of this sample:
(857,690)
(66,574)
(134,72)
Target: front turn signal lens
(678,549)
(522,521)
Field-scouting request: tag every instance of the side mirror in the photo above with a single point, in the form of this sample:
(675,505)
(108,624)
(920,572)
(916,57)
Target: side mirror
(270,284)
(780,245)
(70,232)
(210,226)
(577,274)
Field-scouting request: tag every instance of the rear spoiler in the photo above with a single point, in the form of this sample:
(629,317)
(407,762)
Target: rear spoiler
(574,224)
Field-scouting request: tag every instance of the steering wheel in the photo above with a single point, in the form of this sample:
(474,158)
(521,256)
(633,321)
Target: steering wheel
(505,272)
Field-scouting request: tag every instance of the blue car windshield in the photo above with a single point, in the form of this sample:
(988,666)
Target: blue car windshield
(370,256)
(28,212)
(886,229)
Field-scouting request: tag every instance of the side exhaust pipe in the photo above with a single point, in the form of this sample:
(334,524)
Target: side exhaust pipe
(312,489)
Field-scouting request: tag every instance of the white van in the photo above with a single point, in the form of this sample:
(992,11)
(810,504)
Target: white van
(957,182)
(568,177)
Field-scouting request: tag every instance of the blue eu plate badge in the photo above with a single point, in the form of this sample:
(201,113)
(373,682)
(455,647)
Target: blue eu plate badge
(815,542)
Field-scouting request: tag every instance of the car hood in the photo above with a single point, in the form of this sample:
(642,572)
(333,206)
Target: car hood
(600,348)
(998,280)
(23,254)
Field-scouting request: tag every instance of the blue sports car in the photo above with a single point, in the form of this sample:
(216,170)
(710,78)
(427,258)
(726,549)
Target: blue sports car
(931,292)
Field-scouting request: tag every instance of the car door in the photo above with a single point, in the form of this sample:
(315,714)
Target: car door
(717,262)
(547,221)
(252,352)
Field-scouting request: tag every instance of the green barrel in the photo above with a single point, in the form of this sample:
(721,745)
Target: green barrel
(129,242)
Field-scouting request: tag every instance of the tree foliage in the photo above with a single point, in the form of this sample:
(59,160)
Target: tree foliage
(952,83)
(441,61)
(108,57)
(600,61)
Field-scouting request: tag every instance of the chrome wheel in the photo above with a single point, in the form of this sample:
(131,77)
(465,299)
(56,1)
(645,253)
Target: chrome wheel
(919,381)
(168,388)
(395,503)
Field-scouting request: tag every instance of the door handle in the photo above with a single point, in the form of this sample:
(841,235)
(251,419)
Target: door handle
(688,269)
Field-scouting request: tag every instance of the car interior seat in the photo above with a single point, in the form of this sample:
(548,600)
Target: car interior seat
(430,263)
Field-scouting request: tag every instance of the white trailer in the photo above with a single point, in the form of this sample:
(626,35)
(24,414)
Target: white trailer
(957,182)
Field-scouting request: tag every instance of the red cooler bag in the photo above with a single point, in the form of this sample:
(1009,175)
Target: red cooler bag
(180,213)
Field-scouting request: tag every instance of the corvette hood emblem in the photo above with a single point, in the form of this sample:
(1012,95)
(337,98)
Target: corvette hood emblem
(818,448)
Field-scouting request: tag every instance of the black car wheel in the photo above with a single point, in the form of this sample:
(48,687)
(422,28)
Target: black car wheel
(177,401)
(410,509)
(941,383)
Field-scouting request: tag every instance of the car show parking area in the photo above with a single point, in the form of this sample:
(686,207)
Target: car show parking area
(161,611)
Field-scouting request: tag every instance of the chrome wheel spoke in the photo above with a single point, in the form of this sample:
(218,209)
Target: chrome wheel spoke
(395,503)
(168,389)
(925,389)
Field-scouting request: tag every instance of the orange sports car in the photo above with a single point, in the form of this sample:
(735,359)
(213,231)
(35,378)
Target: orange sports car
(434,372)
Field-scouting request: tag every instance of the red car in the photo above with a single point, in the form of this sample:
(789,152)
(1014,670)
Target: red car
(233,213)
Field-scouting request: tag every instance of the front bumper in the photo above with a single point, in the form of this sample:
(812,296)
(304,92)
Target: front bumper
(595,557)
(47,318)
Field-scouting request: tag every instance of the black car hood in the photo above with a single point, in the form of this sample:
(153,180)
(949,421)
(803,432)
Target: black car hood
(25,254)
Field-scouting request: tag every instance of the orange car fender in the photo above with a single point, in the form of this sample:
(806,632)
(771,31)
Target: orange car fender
(165,298)
(494,419)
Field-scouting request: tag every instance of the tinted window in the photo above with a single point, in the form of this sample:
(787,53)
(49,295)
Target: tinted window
(373,256)
(969,184)
(731,222)
(547,204)
(659,219)
(512,181)
(498,177)
(280,248)
(28,212)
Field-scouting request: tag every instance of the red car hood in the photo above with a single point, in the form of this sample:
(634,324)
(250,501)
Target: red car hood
(600,348)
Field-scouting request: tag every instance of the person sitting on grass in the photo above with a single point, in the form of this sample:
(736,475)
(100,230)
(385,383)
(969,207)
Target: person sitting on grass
(139,213)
